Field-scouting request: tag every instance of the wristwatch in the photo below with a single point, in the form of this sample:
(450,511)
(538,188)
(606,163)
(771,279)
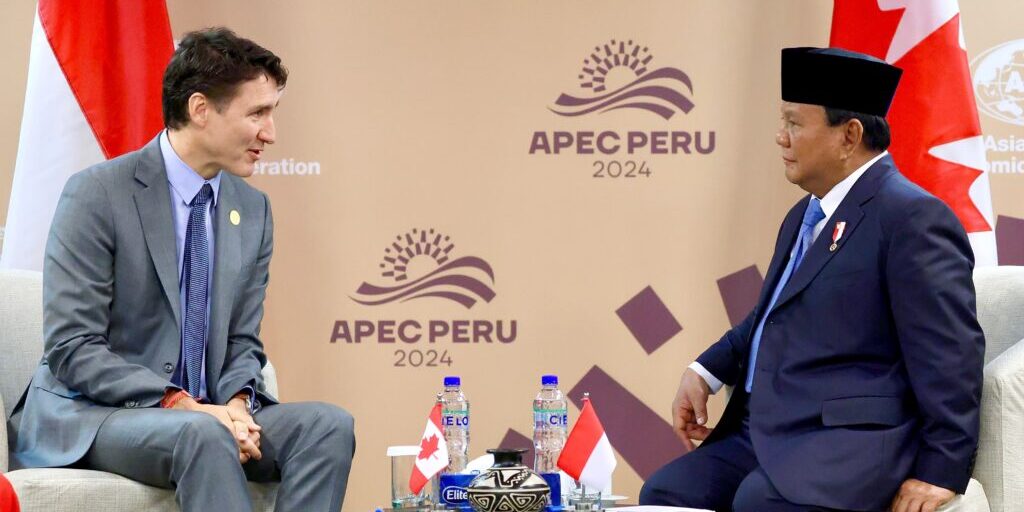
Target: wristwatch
(248,400)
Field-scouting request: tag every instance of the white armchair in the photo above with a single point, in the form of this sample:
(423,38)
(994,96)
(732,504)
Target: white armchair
(1000,464)
(61,489)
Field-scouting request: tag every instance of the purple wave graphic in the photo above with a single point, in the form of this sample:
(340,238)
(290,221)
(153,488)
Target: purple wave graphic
(635,91)
(426,286)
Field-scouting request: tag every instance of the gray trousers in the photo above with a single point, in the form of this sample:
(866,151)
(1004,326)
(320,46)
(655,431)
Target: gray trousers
(306,446)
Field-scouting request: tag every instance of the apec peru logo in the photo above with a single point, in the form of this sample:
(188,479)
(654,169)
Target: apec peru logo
(619,76)
(419,264)
(422,264)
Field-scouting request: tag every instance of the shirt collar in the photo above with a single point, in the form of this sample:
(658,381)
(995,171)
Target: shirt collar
(830,203)
(184,181)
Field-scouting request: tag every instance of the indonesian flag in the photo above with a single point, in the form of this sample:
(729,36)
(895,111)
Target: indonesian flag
(587,455)
(93,93)
(433,456)
(936,134)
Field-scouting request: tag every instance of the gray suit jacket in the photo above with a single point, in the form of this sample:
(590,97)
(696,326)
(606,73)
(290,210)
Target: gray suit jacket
(111,312)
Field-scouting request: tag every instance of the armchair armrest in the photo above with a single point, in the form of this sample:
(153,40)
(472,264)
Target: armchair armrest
(1000,463)
(270,380)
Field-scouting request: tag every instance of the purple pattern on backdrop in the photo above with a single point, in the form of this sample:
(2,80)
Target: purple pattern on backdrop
(514,439)
(465,282)
(647,318)
(427,286)
(466,261)
(739,292)
(643,439)
(573,106)
(566,100)
(1010,240)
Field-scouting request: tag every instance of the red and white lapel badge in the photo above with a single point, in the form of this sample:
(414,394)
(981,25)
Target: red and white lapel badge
(837,233)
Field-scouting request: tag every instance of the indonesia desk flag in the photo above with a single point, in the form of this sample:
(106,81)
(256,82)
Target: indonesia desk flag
(587,455)
(433,456)
(93,93)
(936,134)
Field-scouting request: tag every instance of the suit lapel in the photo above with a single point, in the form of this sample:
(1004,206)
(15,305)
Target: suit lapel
(226,265)
(153,202)
(849,211)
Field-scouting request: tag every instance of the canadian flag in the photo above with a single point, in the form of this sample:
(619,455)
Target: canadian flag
(93,93)
(433,456)
(936,134)
(587,455)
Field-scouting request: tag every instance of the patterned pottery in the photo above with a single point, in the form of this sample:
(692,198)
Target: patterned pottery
(508,486)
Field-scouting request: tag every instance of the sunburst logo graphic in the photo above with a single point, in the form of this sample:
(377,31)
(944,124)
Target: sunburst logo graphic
(619,73)
(627,57)
(418,264)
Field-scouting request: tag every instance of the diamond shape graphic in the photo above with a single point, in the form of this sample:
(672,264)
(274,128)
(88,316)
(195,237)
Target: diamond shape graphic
(647,318)
(739,292)
(641,436)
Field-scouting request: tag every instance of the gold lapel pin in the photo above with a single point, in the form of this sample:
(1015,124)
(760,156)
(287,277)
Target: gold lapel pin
(235,217)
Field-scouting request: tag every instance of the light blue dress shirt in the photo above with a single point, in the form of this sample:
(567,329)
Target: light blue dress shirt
(185,184)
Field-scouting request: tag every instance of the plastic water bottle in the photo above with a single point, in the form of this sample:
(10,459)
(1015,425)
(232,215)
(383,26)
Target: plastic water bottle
(550,423)
(455,423)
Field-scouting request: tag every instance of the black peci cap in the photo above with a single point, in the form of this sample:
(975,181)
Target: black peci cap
(837,78)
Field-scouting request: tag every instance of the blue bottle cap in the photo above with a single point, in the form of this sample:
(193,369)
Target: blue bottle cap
(546,380)
(452,381)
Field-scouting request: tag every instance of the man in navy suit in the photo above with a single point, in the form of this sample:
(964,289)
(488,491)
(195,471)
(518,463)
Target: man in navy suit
(858,374)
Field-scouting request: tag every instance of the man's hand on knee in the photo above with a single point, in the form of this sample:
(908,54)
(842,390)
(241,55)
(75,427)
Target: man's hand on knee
(690,408)
(247,432)
(917,496)
(236,420)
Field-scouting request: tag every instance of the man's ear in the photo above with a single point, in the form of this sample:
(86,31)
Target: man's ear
(199,107)
(853,134)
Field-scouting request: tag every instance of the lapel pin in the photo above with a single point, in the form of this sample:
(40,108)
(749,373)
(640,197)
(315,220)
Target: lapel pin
(235,217)
(837,233)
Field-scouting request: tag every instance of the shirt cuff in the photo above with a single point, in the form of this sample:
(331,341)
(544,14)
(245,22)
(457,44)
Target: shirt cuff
(712,382)
(254,403)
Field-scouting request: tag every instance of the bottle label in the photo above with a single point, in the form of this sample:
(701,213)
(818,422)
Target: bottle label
(451,418)
(550,418)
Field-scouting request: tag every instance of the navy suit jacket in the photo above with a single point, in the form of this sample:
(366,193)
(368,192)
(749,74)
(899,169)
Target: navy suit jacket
(869,370)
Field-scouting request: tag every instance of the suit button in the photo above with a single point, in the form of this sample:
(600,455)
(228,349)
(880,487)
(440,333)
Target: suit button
(168,368)
(131,404)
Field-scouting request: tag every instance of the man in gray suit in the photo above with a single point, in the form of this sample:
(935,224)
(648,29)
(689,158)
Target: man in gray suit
(155,272)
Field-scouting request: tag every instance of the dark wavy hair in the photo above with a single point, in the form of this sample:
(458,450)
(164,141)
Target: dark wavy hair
(214,62)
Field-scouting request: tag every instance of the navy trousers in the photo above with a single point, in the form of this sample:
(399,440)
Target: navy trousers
(722,475)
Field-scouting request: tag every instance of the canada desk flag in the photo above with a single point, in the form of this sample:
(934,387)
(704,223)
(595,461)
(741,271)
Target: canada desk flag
(587,455)
(433,456)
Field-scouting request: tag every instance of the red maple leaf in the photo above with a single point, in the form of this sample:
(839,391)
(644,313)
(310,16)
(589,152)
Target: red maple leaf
(934,104)
(428,447)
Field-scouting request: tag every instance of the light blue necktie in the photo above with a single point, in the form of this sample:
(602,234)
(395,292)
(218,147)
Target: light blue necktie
(196,278)
(812,216)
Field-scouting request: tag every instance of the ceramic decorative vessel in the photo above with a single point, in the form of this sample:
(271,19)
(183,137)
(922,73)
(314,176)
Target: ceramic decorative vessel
(508,486)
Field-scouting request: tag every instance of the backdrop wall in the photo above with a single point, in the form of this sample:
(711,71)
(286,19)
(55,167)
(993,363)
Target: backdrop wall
(607,245)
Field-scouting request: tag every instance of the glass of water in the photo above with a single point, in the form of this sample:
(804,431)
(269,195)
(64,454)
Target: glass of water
(403,458)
